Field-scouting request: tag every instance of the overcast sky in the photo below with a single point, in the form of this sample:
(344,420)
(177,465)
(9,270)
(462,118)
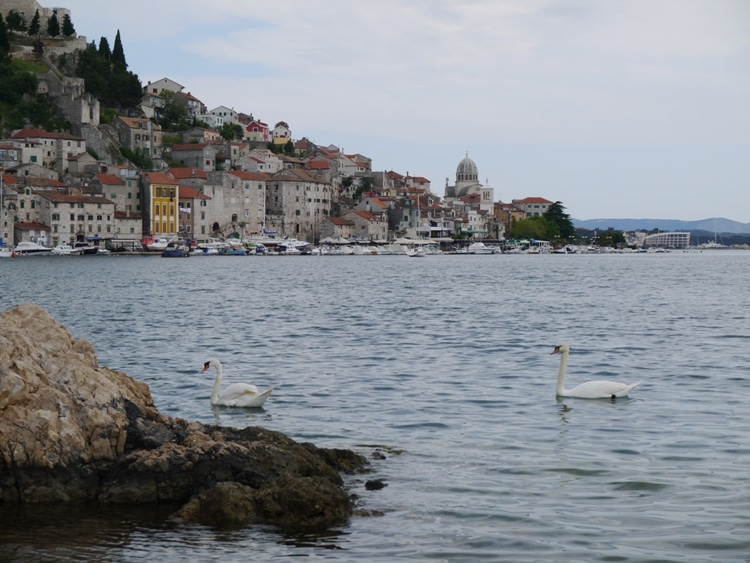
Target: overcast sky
(617,108)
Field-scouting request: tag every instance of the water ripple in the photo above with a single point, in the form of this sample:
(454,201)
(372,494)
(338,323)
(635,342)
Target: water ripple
(445,364)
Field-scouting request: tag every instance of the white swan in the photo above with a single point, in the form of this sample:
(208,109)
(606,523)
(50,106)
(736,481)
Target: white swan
(591,389)
(237,394)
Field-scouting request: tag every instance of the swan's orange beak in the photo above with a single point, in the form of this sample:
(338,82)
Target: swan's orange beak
(205,367)
(555,351)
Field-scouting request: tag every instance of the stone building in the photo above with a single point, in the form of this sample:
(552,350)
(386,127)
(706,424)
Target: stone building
(467,183)
(297,203)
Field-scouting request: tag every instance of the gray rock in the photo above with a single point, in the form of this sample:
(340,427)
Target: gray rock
(71,430)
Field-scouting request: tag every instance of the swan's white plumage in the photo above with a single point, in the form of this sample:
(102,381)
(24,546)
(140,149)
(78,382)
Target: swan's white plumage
(591,389)
(237,394)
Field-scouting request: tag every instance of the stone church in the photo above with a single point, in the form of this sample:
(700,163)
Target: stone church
(467,184)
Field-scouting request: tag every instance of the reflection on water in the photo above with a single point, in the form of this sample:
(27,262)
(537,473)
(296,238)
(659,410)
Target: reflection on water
(444,364)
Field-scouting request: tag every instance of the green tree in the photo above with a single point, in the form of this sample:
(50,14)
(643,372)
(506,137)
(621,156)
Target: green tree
(118,54)
(125,88)
(38,49)
(15,84)
(531,228)
(53,26)
(138,157)
(610,237)
(175,116)
(67,27)
(289,148)
(231,131)
(38,112)
(4,40)
(112,84)
(35,26)
(556,214)
(104,51)
(15,21)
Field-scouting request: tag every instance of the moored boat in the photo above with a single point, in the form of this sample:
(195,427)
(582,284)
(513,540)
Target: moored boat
(66,250)
(28,248)
(175,250)
(85,249)
(479,248)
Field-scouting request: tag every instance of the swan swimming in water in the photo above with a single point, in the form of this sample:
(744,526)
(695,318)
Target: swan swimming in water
(591,389)
(237,394)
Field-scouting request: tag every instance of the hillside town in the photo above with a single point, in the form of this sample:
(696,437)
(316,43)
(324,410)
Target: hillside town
(66,187)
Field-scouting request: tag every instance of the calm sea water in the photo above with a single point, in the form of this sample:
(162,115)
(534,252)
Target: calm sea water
(444,364)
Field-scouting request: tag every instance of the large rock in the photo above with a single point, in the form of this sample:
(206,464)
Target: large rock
(71,430)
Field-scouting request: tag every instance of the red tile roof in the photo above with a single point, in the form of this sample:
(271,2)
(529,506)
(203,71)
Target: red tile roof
(532,200)
(110,180)
(340,221)
(186,173)
(61,197)
(365,214)
(43,134)
(188,192)
(160,178)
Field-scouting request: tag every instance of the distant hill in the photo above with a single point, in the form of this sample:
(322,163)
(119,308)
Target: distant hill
(713,225)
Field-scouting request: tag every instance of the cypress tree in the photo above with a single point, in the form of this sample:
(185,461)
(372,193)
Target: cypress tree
(35,26)
(104,50)
(67,26)
(118,54)
(53,26)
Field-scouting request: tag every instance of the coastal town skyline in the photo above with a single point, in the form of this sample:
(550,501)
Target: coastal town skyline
(549,99)
(690,166)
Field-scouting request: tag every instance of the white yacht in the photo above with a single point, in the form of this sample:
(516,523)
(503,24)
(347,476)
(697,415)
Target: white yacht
(27,247)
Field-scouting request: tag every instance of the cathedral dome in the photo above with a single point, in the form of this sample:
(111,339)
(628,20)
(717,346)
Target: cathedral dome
(466,170)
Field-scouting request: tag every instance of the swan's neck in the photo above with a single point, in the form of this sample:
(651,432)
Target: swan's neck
(561,374)
(217,385)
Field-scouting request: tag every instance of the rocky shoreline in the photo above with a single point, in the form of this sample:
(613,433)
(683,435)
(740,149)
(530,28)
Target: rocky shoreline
(72,431)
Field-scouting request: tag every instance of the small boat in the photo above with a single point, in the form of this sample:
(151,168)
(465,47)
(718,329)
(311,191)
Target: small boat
(85,249)
(418,252)
(28,248)
(5,252)
(212,247)
(66,250)
(479,248)
(158,245)
(236,249)
(175,252)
